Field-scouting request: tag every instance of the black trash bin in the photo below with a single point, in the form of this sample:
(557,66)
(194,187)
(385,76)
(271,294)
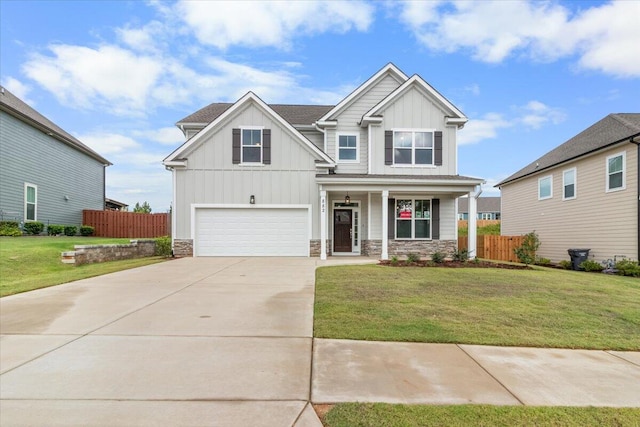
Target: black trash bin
(578,256)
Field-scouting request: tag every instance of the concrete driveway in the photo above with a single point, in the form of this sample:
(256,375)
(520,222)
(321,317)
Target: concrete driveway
(194,341)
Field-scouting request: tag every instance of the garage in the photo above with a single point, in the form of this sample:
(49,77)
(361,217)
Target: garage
(253,231)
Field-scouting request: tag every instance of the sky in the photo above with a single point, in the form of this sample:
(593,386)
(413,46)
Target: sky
(118,75)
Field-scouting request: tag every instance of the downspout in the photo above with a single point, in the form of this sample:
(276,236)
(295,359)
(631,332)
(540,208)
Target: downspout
(324,136)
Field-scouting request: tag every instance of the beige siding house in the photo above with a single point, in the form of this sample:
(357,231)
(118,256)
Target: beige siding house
(581,195)
(374,175)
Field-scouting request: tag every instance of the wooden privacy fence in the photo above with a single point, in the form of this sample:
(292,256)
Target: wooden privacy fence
(127,224)
(498,248)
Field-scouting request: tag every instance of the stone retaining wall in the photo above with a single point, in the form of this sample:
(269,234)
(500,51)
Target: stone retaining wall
(89,254)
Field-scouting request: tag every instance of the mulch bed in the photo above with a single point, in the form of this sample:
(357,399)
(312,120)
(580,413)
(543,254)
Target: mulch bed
(455,264)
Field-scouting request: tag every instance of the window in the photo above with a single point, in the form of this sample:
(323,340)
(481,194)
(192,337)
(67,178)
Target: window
(348,148)
(615,172)
(251,146)
(30,202)
(413,219)
(569,184)
(413,147)
(545,190)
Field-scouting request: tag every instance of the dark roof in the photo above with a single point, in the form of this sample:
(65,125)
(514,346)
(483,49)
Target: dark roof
(611,130)
(485,204)
(294,114)
(19,109)
(391,177)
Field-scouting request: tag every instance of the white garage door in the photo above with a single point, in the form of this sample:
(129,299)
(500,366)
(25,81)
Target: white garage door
(252,232)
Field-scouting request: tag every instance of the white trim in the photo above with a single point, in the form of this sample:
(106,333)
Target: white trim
(324,209)
(369,155)
(575,183)
(35,208)
(174,207)
(624,172)
(369,215)
(353,209)
(385,225)
(413,163)
(550,196)
(413,199)
(261,129)
(357,147)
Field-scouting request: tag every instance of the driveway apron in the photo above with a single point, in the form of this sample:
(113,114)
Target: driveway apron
(194,341)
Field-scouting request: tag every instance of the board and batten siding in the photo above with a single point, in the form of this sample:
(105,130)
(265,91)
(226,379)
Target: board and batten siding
(414,110)
(349,119)
(28,155)
(605,222)
(212,178)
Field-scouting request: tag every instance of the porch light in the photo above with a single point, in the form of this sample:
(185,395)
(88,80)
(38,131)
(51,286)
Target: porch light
(347,199)
(252,200)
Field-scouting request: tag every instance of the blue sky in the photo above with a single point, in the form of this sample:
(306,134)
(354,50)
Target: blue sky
(119,74)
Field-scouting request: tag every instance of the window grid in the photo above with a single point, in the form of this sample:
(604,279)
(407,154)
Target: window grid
(412,147)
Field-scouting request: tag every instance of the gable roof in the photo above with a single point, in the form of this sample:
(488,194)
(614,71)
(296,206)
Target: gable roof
(14,106)
(248,97)
(456,116)
(485,204)
(294,114)
(611,130)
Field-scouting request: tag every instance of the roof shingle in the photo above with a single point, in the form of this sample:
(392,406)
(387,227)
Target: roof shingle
(294,114)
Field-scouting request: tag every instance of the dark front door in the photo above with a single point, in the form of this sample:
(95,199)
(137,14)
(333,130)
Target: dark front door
(342,230)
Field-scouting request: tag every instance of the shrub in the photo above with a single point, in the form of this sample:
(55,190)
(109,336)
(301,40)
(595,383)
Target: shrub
(163,246)
(461,255)
(526,253)
(437,257)
(10,228)
(87,230)
(34,227)
(394,260)
(626,267)
(55,229)
(566,264)
(543,261)
(70,230)
(590,265)
(413,257)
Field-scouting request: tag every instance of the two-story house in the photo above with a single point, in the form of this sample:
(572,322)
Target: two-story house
(374,175)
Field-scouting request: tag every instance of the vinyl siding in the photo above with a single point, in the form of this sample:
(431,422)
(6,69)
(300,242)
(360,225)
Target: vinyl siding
(604,222)
(212,178)
(58,170)
(317,138)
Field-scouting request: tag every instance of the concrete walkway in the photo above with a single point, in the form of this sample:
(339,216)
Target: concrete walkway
(228,341)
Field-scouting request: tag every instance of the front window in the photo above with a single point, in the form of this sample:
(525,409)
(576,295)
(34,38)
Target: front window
(348,148)
(615,172)
(251,145)
(413,147)
(545,188)
(569,184)
(30,202)
(413,219)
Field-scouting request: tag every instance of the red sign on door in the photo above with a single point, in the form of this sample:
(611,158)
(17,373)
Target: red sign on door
(405,214)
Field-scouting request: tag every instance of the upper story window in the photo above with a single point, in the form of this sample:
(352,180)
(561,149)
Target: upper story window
(348,148)
(251,145)
(30,202)
(413,219)
(545,188)
(569,184)
(615,172)
(412,147)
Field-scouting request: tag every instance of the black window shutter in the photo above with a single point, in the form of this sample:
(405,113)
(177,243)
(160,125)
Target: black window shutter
(435,219)
(391,220)
(437,145)
(236,146)
(388,147)
(266,146)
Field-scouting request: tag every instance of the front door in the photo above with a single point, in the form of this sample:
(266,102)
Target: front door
(342,230)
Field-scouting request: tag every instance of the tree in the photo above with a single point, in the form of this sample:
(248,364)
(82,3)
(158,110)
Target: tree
(144,208)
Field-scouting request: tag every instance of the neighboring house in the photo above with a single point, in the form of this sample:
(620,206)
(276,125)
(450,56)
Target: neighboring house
(488,208)
(114,205)
(374,175)
(46,174)
(581,195)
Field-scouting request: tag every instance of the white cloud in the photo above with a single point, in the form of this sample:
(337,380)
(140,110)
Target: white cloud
(19,89)
(170,135)
(272,23)
(109,143)
(604,37)
(535,114)
(477,130)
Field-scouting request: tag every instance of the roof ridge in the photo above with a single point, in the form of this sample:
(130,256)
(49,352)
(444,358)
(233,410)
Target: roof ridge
(622,120)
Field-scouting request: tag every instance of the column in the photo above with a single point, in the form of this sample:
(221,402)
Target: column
(323,225)
(385,224)
(472,224)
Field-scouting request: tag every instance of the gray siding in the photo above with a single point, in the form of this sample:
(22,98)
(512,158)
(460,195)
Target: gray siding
(58,170)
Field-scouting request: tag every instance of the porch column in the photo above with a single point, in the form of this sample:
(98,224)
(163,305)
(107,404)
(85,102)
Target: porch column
(385,224)
(472,224)
(323,225)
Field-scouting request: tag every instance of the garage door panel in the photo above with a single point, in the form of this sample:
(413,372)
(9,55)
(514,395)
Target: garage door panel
(252,232)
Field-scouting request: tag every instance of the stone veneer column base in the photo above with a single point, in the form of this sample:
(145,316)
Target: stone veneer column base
(372,248)
(183,247)
(423,248)
(314,247)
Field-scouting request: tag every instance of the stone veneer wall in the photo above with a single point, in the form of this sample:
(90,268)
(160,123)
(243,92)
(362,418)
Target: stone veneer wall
(314,247)
(89,254)
(183,247)
(400,248)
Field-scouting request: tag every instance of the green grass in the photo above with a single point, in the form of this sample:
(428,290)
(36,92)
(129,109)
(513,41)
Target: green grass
(380,414)
(542,307)
(493,229)
(28,263)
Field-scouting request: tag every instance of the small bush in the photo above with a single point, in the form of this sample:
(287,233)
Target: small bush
(590,265)
(34,227)
(460,255)
(87,230)
(163,246)
(70,230)
(10,228)
(565,264)
(55,229)
(394,260)
(526,253)
(626,267)
(543,261)
(413,257)
(437,257)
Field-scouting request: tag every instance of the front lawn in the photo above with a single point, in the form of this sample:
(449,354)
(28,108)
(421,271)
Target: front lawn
(28,263)
(536,308)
